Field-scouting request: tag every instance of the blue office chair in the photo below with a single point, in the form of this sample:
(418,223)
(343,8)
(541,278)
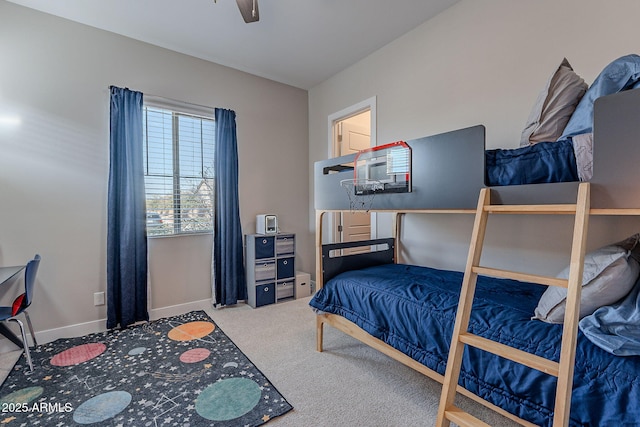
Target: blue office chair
(20,305)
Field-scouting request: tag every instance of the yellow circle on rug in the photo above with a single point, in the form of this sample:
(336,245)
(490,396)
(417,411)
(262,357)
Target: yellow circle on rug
(191,331)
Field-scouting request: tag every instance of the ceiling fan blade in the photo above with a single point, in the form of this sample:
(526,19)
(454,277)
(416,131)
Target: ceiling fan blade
(249,10)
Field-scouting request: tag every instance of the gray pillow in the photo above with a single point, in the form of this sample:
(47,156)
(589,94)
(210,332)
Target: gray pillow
(583,149)
(554,106)
(609,274)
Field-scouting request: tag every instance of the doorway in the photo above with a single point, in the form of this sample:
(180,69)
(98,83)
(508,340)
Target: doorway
(352,130)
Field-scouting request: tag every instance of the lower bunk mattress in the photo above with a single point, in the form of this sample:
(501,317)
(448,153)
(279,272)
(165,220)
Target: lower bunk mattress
(413,309)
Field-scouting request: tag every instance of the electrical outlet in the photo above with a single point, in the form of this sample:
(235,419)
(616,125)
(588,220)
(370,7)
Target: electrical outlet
(98,298)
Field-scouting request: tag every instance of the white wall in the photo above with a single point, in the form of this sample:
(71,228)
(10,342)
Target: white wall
(482,62)
(55,75)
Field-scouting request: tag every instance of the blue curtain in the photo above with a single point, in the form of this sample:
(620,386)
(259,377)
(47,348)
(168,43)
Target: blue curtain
(228,268)
(126,226)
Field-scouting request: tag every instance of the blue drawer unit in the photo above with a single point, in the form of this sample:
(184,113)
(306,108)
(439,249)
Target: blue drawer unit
(264,246)
(270,268)
(265,294)
(285,268)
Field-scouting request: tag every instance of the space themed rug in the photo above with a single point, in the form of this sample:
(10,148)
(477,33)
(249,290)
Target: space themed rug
(179,371)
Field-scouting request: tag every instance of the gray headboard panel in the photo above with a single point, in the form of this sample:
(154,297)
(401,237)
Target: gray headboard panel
(435,183)
(616,151)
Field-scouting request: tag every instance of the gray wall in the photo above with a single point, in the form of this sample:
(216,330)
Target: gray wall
(481,62)
(55,75)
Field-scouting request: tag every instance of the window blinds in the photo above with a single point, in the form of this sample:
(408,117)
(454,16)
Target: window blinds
(178,168)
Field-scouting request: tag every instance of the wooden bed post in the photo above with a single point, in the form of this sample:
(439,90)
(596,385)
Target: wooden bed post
(319,279)
(319,215)
(396,231)
(319,332)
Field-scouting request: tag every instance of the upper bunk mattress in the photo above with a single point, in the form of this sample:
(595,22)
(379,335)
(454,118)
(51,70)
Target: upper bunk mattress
(413,309)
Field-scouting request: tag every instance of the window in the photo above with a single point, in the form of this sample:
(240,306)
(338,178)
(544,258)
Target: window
(178,171)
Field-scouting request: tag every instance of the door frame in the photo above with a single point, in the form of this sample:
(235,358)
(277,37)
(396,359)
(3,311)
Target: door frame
(368,104)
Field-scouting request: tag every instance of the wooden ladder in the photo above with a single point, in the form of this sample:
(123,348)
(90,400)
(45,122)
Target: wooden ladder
(563,369)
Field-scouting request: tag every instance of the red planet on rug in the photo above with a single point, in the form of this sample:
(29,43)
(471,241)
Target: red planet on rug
(195,355)
(78,354)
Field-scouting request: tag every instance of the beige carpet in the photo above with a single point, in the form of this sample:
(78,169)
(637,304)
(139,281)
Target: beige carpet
(7,362)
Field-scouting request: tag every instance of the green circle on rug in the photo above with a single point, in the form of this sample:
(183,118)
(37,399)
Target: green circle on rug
(228,399)
(24,395)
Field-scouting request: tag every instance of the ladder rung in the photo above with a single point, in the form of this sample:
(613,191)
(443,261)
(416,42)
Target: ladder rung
(531,209)
(531,360)
(523,277)
(463,419)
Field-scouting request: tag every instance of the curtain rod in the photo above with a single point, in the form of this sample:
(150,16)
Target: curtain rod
(190,107)
(150,95)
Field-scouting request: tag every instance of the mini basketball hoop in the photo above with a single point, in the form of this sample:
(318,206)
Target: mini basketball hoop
(361,192)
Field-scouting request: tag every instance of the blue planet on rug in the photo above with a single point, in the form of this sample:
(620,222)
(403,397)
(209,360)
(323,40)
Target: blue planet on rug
(178,371)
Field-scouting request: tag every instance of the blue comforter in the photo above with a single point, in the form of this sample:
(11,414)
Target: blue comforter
(541,163)
(413,309)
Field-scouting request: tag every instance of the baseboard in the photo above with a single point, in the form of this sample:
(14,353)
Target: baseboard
(174,310)
(94,326)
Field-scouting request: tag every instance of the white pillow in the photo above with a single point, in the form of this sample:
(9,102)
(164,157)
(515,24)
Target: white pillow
(609,274)
(554,106)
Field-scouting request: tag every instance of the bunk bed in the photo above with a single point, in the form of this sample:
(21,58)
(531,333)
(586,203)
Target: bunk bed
(411,313)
